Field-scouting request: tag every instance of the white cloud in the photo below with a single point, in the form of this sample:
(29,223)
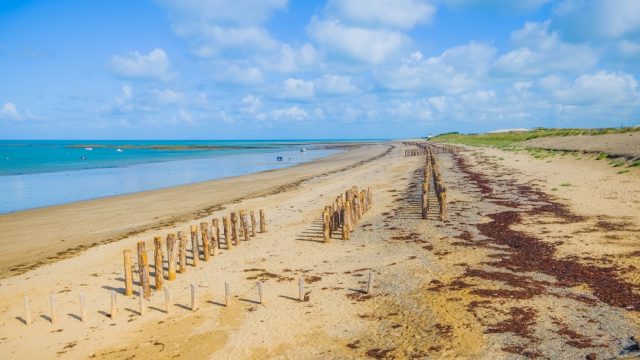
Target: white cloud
(403,14)
(291,59)
(238,74)
(212,39)
(291,113)
(597,20)
(229,11)
(335,85)
(155,65)
(601,87)
(169,97)
(297,89)
(503,5)
(9,111)
(366,45)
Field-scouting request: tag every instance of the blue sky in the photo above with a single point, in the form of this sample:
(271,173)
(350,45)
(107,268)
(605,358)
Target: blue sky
(263,69)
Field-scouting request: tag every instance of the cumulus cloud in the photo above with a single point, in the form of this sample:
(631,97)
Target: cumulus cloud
(403,14)
(9,111)
(362,44)
(601,87)
(294,113)
(297,89)
(336,85)
(154,65)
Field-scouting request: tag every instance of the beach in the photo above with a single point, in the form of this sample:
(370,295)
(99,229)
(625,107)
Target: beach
(455,289)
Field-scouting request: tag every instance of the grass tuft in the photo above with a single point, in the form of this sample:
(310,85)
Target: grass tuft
(566,184)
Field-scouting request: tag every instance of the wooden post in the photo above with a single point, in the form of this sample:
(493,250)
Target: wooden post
(216,236)
(443,204)
(346,221)
(301,288)
(226,224)
(234,229)
(326,229)
(425,200)
(263,222)
(52,308)
(182,252)
(260,293)
(227,294)
(143,308)
(27,311)
(244,223)
(128,276)
(167,300)
(195,251)
(370,283)
(253,223)
(143,269)
(83,308)
(114,305)
(158,262)
(206,239)
(171,257)
(194,299)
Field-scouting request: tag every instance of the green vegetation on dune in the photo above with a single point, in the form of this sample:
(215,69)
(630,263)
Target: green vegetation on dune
(510,138)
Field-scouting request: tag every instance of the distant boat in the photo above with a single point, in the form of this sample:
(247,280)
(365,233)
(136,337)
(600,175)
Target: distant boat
(88,148)
(303,150)
(119,150)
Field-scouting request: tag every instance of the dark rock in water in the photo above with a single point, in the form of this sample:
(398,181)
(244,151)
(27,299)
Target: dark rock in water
(630,346)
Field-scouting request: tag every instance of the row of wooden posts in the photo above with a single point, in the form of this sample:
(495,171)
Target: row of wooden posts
(432,171)
(346,210)
(207,242)
(53,313)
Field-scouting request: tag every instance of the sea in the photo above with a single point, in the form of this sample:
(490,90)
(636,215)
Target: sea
(43,173)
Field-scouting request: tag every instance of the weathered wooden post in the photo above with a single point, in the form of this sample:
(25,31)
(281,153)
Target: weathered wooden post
(260,293)
(52,308)
(194,298)
(301,288)
(128,276)
(167,300)
(83,308)
(143,269)
(227,294)
(114,305)
(253,223)
(206,240)
(244,222)
(216,236)
(227,232)
(182,252)
(425,200)
(370,283)
(443,204)
(346,224)
(195,250)
(27,311)
(263,222)
(158,262)
(234,229)
(326,229)
(171,257)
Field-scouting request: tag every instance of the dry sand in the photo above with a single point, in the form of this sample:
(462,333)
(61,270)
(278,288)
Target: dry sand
(520,270)
(627,145)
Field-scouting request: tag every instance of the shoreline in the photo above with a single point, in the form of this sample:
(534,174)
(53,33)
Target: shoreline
(29,243)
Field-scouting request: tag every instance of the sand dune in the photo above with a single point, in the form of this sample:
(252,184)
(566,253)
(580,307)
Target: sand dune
(615,144)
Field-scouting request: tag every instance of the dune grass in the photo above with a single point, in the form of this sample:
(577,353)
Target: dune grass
(510,138)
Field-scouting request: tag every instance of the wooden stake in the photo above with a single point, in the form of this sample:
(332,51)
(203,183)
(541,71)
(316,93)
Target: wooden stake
(182,252)
(260,293)
(52,308)
(158,262)
(443,204)
(128,276)
(27,311)
(195,251)
(263,222)
(83,308)
(143,269)
(253,223)
(301,288)
(346,224)
(216,236)
(234,229)
(194,299)
(425,200)
(244,223)
(206,240)
(167,300)
(226,224)
(143,308)
(370,283)
(171,257)
(114,305)
(326,227)
(227,294)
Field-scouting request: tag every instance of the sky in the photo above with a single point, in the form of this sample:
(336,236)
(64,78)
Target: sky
(279,69)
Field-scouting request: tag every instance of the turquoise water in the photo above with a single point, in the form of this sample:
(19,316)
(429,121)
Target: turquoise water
(44,173)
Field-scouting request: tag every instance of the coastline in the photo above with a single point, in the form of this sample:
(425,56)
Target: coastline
(29,242)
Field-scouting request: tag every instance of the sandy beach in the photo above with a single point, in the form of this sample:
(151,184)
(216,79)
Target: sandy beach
(535,260)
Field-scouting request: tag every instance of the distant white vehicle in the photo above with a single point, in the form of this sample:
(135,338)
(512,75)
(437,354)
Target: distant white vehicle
(88,148)
(119,150)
